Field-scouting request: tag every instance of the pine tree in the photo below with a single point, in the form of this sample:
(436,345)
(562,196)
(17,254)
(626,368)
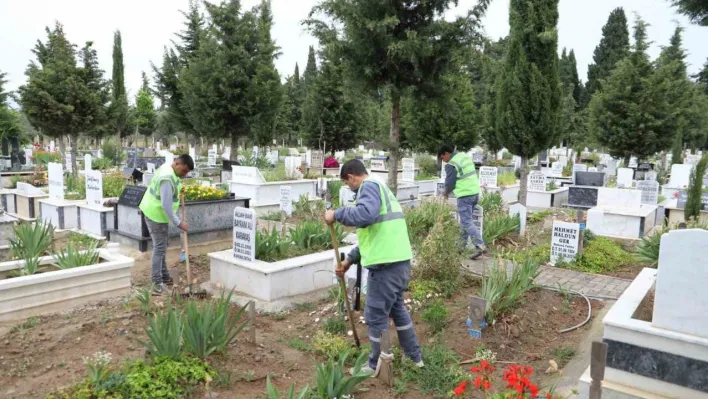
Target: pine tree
(3,93)
(696,10)
(450,117)
(702,78)
(194,25)
(266,80)
(119,103)
(395,46)
(146,83)
(308,119)
(627,115)
(529,96)
(221,94)
(9,118)
(613,47)
(296,75)
(96,112)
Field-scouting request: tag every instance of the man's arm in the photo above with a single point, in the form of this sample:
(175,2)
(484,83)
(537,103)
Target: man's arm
(450,179)
(367,208)
(166,200)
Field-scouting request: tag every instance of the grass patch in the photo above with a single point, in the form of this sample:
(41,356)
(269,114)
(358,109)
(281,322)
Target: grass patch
(329,346)
(440,374)
(305,306)
(335,325)
(436,315)
(502,293)
(562,355)
(539,216)
(602,255)
(298,344)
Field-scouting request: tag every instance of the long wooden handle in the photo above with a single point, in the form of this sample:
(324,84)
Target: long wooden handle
(342,284)
(186,242)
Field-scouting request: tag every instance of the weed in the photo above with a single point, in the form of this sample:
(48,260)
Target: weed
(305,306)
(82,241)
(298,344)
(506,179)
(436,315)
(501,292)
(499,226)
(278,316)
(539,216)
(492,203)
(602,254)
(144,297)
(61,364)
(436,260)
(25,325)
(421,219)
(400,387)
(223,379)
(97,367)
(335,325)
(562,355)
(328,345)
(250,376)
(441,371)
(306,209)
(566,299)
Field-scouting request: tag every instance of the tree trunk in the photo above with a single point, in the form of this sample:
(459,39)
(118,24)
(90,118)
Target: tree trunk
(523,180)
(626,160)
(62,145)
(395,140)
(234,146)
(74,152)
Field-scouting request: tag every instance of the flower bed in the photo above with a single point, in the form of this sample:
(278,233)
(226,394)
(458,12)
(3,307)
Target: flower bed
(52,291)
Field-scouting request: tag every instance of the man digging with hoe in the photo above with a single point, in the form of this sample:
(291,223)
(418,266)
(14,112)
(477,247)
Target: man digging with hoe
(385,251)
(159,205)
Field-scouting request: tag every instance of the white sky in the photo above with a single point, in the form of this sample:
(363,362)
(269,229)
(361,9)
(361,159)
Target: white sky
(148,25)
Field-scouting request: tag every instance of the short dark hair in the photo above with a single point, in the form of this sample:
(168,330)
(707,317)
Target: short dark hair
(353,167)
(185,159)
(444,149)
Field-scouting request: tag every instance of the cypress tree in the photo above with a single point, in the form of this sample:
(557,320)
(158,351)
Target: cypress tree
(296,75)
(613,47)
(146,83)
(695,10)
(395,46)
(692,209)
(9,118)
(529,96)
(311,67)
(119,103)
(492,62)
(628,114)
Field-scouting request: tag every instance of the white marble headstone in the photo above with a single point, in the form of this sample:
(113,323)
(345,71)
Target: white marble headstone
(563,160)
(55,179)
(244,234)
(94,188)
(680,175)
(286,201)
(316,159)
(346,196)
(651,175)
(246,174)
(625,177)
(488,176)
(519,209)
(564,241)
(557,168)
(408,170)
(681,296)
(611,169)
(619,198)
(632,162)
(378,164)
(211,157)
(537,181)
(650,191)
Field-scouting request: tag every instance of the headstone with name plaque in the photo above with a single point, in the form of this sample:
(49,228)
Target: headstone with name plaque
(650,191)
(67,161)
(211,157)
(564,241)
(244,234)
(87,162)
(557,169)
(317,159)
(378,164)
(537,181)
(55,179)
(286,201)
(488,176)
(408,170)
(94,188)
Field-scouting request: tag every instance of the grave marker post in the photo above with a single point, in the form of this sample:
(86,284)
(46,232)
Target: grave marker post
(475,318)
(598,362)
(244,234)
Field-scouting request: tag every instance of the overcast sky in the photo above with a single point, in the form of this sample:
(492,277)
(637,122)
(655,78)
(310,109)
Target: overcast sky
(148,25)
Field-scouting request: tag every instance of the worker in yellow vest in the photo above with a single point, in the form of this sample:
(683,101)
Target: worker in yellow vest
(385,252)
(159,206)
(461,179)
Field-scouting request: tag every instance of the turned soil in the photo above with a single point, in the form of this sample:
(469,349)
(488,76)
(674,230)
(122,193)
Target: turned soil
(46,353)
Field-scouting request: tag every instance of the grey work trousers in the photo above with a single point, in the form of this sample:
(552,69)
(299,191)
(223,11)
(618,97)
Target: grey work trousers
(158,233)
(384,299)
(465,208)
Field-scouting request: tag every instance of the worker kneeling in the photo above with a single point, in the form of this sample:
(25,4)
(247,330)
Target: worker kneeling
(385,251)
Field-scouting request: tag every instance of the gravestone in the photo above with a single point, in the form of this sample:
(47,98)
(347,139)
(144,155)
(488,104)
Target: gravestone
(477,157)
(346,196)
(55,180)
(87,162)
(680,175)
(291,166)
(650,191)
(651,176)
(488,176)
(408,170)
(150,167)
(619,198)
(625,177)
(681,295)
(683,197)
(579,167)
(592,179)
(131,195)
(192,153)
(377,164)
(148,152)
(67,161)
(28,189)
(557,168)
(632,162)
(308,157)
(537,181)
(286,201)
(94,188)
(563,160)
(246,174)
(317,160)
(611,169)
(244,234)
(173,147)
(593,169)
(273,157)
(564,241)
(582,196)
(517,162)
(520,210)
(211,157)
(51,147)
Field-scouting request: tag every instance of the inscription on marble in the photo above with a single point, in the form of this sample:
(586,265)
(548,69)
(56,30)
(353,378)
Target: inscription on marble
(592,179)
(582,197)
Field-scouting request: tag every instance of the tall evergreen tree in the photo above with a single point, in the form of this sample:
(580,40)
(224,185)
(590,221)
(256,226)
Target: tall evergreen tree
(119,102)
(529,96)
(296,75)
(486,92)
(311,67)
(221,94)
(9,118)
(395,45)
(266,80)
(702,78)
(3,93)
(96,107)
(613,47)
(194,25)
(696,10)
(145,86)
(628,113)
(145,115)
(568,71)
(308,121)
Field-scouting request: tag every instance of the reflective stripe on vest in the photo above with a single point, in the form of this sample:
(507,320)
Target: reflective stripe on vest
(385,240)
(467,180)
(151,205)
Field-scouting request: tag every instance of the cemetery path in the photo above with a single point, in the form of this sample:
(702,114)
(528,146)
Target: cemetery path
(590,285)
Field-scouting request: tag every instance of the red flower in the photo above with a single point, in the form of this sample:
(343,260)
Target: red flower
(478,381)
(519,388)
(484,364)
(549,396)
(475,370)
(533,390)
(460,389)
(486,385)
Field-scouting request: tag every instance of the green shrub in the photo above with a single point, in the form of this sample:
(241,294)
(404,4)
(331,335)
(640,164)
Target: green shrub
(29,243)
(328,345)
(165,377)
(501,292)
(335,325)
(113,185)
(271,247)
(427,167)
(506,178)
(692,210)
(436,315)
(438,256)
(492,203)
(602,255)
(541,252)
(421,219)
(499,226)
(164,334)
(211,327)
(72,257)
(588,236)
(507,155)
(111,151)
(101,163)
(332,381)
(274,394)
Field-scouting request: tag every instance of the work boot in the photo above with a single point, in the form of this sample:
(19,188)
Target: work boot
(479,251)
(159,289)
(169,281)
(364,369)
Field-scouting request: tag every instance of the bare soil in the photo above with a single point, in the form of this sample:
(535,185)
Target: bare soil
(645,311)
(46,353)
